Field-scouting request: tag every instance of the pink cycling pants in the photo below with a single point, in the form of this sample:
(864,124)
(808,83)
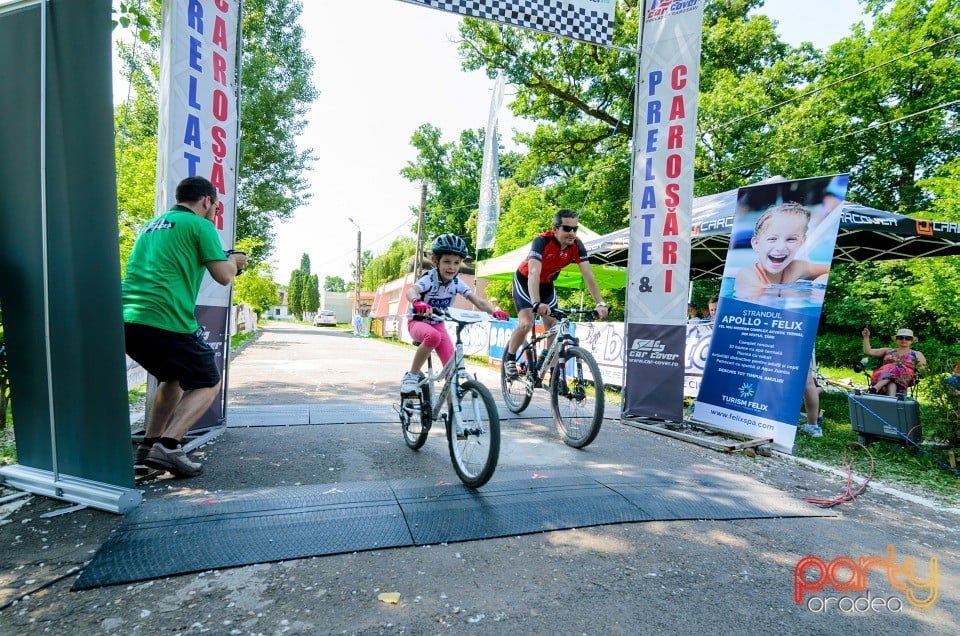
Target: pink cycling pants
(434,335)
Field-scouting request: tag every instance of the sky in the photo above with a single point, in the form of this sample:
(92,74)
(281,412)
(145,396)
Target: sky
(383,71)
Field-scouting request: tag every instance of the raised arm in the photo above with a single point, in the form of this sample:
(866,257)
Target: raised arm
(877,353)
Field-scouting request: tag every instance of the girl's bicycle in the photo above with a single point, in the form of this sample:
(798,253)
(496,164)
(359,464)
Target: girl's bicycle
(472,422)
(575,383)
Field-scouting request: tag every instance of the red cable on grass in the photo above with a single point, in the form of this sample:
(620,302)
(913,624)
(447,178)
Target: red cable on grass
(852,490)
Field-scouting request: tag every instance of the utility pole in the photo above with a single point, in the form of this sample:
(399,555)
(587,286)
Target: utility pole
(356,284)
(418,256)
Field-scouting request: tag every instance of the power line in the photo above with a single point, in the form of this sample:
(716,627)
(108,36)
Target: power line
(831,84)
(869,128)
(802,96)
(810,94)
(350,253)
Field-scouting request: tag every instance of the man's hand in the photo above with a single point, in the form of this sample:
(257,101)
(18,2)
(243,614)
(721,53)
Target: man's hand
(602,311)
(240,259)
(501,315)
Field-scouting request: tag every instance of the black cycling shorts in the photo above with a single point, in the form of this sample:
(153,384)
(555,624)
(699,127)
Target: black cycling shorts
(169,356)
(521,296)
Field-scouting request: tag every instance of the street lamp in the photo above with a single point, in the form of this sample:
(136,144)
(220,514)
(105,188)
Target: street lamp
(356,284)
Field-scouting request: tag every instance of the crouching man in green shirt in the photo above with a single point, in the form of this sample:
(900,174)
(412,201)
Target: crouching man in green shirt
(160,288)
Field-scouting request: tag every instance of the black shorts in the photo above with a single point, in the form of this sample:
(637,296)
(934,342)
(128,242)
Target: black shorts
(521,295)
(169,356)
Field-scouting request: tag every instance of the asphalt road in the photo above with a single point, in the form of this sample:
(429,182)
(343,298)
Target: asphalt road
(679,577)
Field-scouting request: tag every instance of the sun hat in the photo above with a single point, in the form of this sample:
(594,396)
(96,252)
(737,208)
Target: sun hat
(904,332)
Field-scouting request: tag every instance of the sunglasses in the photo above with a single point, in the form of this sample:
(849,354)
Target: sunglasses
(569,228)
(904,337)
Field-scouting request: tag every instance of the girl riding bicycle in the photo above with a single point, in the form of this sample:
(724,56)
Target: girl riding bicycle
(438,288)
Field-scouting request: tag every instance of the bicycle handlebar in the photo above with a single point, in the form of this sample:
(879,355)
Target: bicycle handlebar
(560,314)
(471,316)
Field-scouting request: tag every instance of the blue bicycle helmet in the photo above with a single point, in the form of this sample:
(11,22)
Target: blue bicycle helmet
(449,244)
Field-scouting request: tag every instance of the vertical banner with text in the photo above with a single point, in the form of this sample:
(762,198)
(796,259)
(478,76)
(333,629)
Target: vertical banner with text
(661,204)
(198,135)
(771,297)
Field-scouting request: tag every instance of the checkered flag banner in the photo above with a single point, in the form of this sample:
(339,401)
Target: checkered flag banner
(586,20)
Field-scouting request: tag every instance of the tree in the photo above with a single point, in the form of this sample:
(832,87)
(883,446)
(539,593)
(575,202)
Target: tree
(884,105)
(275,96)
(365,259)
(295,294)
(136,124)
(883,111)
(581,97)
(256,288)
(311,294)
(451,172)
(334,284)
(391,265)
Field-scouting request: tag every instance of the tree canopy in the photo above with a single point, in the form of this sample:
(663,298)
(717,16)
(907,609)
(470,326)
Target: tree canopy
(276,91)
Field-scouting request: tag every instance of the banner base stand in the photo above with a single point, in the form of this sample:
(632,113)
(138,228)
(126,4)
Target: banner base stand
(73,489)
(729,445)
(196,439)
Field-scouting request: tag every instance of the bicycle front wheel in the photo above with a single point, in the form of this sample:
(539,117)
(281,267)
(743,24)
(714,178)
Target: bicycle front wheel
(473,433)
(577,406)
(415,419)
(518,391)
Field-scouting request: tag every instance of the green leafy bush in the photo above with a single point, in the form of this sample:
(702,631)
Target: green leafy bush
(839,350)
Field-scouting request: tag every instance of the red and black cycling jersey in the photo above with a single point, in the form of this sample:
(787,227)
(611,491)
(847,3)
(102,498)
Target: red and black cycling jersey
(552,256)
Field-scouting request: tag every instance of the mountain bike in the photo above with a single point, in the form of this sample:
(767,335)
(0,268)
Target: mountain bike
(570,374)
(472,421)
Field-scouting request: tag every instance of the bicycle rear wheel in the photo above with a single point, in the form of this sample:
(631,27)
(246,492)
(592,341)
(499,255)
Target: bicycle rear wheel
(577,407)
(475,442)
(415,419)
(518,391)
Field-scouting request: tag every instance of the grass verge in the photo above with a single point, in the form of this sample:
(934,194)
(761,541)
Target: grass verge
(926,468)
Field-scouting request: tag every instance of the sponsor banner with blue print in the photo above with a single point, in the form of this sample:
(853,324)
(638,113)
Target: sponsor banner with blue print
(771,297)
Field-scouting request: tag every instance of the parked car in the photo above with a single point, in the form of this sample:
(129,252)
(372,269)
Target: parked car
(325,317)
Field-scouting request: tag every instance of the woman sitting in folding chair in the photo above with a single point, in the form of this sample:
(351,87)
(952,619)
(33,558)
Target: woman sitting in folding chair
(898,365)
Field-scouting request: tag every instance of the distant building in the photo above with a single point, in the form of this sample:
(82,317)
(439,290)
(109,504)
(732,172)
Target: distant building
(279,312)
(340,303)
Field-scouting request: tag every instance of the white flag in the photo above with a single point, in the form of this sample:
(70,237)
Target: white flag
(489,212)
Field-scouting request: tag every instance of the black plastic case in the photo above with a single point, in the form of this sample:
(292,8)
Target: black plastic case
(885,417)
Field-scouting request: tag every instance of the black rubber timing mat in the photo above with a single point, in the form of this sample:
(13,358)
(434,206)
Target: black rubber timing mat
(165,537)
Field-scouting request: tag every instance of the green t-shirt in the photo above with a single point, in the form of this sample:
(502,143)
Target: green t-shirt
(166,268)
